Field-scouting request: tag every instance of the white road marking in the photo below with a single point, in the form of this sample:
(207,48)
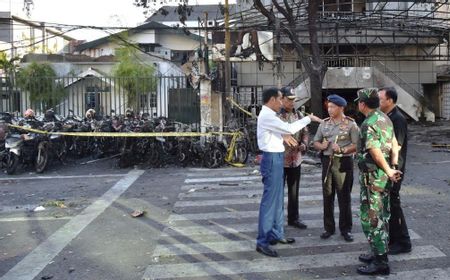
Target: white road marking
(222,179)
(253,200)
(243,184)
(239,214)
(11,178)
(38,259)
(224,228)
(220,173)
(231,169)
(435,273)
(26,219)
(264,264)
(239,192)
(238,178)
(18,208)
(175,249)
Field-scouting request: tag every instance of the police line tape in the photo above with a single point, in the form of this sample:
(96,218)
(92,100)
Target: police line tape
(125,134)
(239,107)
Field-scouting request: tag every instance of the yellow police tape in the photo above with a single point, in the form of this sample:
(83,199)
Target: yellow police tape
(125,134)
(239,107)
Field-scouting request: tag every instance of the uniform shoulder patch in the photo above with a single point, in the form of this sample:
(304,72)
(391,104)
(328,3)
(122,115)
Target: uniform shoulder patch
(348,118)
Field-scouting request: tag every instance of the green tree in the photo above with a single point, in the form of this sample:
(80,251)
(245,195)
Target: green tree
(7,65)
(136,77)
(40,81)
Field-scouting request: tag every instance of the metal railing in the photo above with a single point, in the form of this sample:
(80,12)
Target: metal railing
(298,80)
(417,94)
(104,94)
(348,61)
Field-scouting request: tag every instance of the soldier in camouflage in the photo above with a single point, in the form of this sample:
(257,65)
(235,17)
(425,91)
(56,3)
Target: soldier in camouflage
(377,147)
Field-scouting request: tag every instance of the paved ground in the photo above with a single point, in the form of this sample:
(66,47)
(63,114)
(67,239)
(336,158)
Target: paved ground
(201,224)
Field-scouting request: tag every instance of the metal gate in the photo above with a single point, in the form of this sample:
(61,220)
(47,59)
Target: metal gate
(184,105)
(150,95)
(445,101)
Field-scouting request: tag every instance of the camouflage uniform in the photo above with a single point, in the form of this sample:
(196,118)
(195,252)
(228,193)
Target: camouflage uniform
(376,132)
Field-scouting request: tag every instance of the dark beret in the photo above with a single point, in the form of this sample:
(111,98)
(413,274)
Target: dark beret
(336,99)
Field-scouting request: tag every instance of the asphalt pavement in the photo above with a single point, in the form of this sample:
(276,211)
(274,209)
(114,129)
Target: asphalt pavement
(75,222)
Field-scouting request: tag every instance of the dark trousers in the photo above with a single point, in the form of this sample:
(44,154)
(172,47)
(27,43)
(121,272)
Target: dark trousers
(398,230)
(292,181)
(340,181)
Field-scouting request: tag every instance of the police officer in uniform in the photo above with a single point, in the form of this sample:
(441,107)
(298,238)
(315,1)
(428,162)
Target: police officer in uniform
(293,157)
(337,138)
(377,148)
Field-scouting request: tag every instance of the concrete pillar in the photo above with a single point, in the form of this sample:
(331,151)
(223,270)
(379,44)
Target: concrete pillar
(205,104)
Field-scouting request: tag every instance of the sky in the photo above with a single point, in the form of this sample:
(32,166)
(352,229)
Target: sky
(104,13)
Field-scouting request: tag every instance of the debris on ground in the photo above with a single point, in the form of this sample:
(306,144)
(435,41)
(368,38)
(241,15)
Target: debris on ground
(255,172)
(228,184)
(438,147)
(39,208)
(137,213)
(55,203)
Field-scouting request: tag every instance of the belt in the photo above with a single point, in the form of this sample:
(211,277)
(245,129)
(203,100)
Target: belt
(338,155)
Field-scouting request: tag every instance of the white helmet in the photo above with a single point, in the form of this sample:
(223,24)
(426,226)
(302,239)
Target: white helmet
(90,113)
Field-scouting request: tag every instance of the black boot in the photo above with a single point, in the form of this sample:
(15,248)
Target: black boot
(366,258)
(379,266)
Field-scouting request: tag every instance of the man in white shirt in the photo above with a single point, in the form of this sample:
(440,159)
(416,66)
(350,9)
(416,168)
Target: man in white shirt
(271,132)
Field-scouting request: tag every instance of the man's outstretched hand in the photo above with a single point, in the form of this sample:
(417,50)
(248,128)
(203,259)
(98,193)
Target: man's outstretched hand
(289,140)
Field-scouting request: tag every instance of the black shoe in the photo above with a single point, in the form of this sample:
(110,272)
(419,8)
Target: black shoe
(366,258)
(379,266)
(298,224)
(326,234)
(267,251)
(282,241)
(347,236)
(396,248)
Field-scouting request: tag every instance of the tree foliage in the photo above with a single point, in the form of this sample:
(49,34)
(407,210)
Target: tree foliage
(7,65)
(41,82)
(135,76)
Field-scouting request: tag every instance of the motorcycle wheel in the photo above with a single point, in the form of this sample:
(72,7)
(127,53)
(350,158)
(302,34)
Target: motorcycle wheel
(61,151)
(41,158)
(125,160)
(12,162)
(213,158)
(240,153)
(153,156)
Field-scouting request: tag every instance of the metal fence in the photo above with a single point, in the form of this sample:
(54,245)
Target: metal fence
(104,94)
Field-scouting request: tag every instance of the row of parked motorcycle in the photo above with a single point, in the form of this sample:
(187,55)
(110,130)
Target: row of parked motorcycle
(22,148)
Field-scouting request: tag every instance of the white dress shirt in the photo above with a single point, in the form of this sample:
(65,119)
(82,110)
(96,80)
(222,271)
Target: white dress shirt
(270,130)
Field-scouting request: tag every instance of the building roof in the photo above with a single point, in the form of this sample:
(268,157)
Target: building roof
(70,58)
(198,11)
(146,26)
(91,72)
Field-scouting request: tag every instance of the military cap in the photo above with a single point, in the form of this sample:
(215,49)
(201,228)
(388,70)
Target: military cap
(336,99)
(367,95)
(288,92)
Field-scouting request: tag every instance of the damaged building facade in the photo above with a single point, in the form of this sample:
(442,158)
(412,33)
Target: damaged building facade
(363,43)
